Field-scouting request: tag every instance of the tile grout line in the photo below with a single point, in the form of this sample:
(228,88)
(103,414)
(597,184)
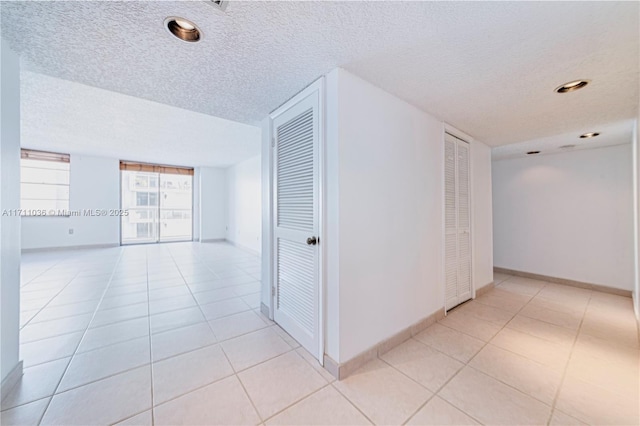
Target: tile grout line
(292,349)
(466,364)
(351,402)
(50,300)
(80,341)
(566,366)
(150,336)
(328,384)
(222,349)
(217,380)
(296,402)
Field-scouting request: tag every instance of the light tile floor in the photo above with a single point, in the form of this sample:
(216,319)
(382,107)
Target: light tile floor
(173,334)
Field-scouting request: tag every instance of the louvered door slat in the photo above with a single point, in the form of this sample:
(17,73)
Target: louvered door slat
(457,218)
(295,171)
(464,265)
(296,269)
(450,185)
(463,186)
(295,281)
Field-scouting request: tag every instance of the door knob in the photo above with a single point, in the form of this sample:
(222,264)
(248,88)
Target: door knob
(312,241)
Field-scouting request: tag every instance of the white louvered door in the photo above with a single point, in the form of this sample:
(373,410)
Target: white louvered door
(296,221)
(457,239)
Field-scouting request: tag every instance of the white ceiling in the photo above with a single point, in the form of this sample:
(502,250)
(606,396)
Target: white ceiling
(487,68)
(64,116)
(618,133)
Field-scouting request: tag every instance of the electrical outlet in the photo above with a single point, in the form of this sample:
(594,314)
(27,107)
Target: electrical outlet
(70,231)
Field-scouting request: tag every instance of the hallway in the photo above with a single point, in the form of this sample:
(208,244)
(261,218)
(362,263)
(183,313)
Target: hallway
(173,334)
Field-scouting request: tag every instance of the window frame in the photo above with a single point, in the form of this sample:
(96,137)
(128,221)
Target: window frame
(42,211)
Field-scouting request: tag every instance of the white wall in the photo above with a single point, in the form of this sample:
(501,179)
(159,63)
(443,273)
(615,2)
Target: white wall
(94,184)
(383,217)
(567,215)
(636,212)
(213,203)
(196,204)
(244,211)
(384,225)
(482,214)
(265,129)
(9,200)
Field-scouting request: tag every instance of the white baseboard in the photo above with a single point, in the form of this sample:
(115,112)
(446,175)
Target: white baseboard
(11,380)
(245,248)
(79,247)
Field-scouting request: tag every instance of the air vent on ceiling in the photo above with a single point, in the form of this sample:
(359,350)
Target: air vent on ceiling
(220,4)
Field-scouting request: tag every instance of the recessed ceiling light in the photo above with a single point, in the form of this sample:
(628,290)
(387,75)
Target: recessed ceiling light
(533,152)
(183,29)
(572,85)
(567,146)
(589,135)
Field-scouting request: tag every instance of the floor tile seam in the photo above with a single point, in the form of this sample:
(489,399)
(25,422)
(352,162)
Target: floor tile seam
(46,270)
(26,403)
(50,300)
(245,333)
(81,339)
(566,365)
(353,404)
(61,318)
(226,357)
(468,364)
(295,402)
(149,331)
(468,333)
(222,300)
(543,338)
(547,322)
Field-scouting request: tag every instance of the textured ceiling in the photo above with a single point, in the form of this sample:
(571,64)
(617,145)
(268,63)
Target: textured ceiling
(488,68)
(619,133)
(60,115)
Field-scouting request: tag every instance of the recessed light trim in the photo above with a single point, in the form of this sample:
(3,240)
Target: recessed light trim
(589,135)
(183,29)
(572,86)
(533,152)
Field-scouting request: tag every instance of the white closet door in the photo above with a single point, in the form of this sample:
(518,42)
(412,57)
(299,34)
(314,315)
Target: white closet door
(464,223)
(457,205)
(450,224)
(296,221)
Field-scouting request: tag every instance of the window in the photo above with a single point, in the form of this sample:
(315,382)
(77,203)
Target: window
(44,183)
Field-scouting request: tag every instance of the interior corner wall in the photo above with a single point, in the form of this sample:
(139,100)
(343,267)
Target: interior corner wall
(388,159)
(94,183)
(9,200)
(331,246)
(482,219)
(567,215)
(213,203)
(196,204)
(266,231)
(244,201)
(636,195)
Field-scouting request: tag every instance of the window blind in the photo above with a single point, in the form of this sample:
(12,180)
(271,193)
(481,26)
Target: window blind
(155,168)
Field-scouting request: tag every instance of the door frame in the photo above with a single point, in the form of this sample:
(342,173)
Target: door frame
(318,87)
(447,128)
(193,176)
